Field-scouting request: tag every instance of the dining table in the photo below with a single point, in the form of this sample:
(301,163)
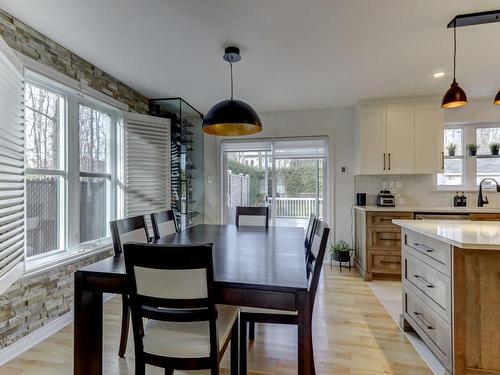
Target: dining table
(253,266)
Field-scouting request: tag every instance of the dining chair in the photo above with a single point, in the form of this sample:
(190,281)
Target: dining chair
(309,232)
(163,223)
(252,216)
(314,264)
(175,321)
(122,231)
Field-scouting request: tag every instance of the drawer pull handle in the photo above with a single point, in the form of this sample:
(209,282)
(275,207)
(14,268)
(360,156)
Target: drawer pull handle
(423,247)
(423,281)
(421,318)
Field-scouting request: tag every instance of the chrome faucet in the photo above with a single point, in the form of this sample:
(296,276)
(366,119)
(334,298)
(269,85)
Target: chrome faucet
(480,201)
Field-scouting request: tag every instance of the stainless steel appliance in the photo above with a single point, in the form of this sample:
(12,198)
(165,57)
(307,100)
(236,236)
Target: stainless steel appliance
(386,199)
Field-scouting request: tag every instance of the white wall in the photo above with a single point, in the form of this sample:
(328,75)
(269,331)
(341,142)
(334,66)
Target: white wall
(337,124)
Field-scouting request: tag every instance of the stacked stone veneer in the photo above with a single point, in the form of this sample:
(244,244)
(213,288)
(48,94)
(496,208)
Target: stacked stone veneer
(37,46)
(33,302)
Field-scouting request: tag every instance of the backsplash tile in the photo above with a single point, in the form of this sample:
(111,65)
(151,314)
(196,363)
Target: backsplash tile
(416,190)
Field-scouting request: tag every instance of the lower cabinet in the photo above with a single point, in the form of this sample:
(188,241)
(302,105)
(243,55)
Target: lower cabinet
(451,300)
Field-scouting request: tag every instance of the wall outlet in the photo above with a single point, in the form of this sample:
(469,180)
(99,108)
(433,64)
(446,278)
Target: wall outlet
(211,179)
(343,170)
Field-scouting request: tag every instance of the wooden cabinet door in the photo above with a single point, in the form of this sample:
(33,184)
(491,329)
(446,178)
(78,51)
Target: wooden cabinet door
(399,138)
(372,125)
(429,121)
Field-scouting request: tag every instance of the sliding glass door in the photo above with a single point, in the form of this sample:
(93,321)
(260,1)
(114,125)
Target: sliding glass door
(287,175)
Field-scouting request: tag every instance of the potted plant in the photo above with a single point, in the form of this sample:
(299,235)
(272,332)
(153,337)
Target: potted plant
(494,147)
(452,148)
(341,252)
(472,147)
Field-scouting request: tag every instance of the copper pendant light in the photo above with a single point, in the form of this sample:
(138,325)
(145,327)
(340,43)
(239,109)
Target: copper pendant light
(231,117)
(455,97)
(497,98)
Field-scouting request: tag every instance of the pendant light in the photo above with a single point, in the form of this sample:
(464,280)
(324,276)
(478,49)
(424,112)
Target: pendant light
(231,117)
(455,97)
(497,98)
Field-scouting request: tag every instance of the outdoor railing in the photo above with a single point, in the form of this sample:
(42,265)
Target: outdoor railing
(297,207)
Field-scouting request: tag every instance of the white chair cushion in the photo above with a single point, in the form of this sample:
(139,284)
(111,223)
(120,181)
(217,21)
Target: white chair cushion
(187,339)
(256,310)
(166,228)
(192,372)
(252,220)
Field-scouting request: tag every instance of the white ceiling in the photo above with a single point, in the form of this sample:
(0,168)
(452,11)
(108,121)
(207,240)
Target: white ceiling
(297,54)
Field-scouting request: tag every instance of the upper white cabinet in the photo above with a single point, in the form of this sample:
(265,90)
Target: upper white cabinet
(429,155)
(400,138)
(372,121)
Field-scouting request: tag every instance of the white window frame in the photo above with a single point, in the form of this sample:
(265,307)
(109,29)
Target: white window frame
(469,172)
(70,175)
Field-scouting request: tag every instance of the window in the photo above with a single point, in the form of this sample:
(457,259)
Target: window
(45,170)
(70,161)
(465,171)
(453,159)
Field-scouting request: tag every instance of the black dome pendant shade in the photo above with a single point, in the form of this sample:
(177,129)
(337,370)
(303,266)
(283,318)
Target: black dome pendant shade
(497,98)
(455,97)
(231,117)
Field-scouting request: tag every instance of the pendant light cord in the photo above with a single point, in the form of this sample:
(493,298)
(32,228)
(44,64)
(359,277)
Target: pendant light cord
(454,49)
(231,66)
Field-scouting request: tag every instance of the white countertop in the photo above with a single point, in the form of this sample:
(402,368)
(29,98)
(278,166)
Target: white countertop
(455,210)
(466,234)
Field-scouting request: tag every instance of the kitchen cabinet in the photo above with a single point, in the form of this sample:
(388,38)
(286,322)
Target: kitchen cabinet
(429,155)
(400,139)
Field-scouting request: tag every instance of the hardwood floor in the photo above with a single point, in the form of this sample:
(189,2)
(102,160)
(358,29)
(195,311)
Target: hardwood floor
(353,335)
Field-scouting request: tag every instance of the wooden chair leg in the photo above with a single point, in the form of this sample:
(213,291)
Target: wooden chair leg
(243,346)
(313,367)
(251,331)
(140,366)
(234,348)
(125,326)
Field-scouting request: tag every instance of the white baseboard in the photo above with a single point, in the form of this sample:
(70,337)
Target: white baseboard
(27,342)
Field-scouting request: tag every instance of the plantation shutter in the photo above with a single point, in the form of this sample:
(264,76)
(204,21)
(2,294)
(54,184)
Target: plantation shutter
(11,168)
(147,164)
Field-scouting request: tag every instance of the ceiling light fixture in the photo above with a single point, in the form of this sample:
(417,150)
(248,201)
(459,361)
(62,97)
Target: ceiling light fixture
(231,117)
(497,98)
(438,74)
(455,97)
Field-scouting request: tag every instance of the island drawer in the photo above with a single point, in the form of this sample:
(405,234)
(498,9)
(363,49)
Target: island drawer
(382,263)
(384,219)
(434,330)
(435,253)
(434,285)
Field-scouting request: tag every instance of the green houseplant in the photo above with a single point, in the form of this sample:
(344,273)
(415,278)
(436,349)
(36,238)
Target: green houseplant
(472,147)
(494,148)
(341,251)
(452,148)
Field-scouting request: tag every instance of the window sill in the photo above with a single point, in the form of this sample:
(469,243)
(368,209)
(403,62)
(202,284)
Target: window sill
(37,266)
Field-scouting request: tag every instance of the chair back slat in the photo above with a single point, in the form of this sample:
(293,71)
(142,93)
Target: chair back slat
(315,261)
(252,216)
(164,223)
(309,233)
(126,230)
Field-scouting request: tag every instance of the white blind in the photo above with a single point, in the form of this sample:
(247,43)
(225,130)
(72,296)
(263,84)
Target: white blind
(11,169)
(246,146)
(300,148)
(147,164)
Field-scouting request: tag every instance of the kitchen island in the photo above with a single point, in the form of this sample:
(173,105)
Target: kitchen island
(451,291)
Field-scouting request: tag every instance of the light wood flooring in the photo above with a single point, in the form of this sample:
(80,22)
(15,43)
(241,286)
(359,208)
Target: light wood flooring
(353,335)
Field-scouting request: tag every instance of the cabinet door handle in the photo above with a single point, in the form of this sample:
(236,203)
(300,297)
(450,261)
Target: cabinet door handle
(442,160)
(389,161)
(423,281)
(384,161)
(422,319)
(419,246)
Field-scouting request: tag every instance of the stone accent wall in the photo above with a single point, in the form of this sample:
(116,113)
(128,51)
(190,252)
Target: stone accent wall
(37,46)
(31,303)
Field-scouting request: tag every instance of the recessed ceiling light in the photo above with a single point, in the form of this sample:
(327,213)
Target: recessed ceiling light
(438,74)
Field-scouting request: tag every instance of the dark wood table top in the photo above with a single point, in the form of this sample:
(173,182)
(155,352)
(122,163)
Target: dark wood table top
(244,257)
